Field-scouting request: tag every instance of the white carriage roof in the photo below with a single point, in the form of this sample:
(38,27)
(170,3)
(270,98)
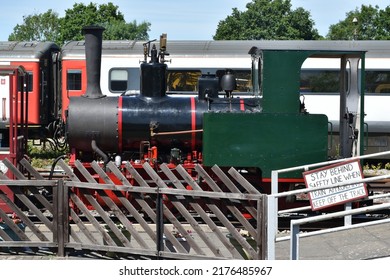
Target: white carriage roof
(234,47)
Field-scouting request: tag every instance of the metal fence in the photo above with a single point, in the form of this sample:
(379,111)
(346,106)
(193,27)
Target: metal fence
(273,212)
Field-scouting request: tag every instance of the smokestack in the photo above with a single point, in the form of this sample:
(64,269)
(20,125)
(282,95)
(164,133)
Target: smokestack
(93,55)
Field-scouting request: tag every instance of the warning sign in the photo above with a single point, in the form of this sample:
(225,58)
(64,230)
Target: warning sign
(335,174)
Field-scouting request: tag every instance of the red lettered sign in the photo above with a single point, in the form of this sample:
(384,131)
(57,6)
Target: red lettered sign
(335,174)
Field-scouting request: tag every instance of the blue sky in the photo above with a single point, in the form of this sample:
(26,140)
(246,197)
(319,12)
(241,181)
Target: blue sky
(180,19)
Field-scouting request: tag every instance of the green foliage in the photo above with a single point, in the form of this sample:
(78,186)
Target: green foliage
(37,27)
(371,23)
(106,15)
(376,167)
(49,27)
(42,156)
(120,30)
(267,19)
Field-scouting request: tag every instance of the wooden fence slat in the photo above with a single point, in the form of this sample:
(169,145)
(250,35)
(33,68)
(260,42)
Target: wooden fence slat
(168,234)
(80,167)
(233,209)
(13,169)
(33,208)
(171,191)
(91,218)
(103,214)
(160,183)
(203,215)
(24,162)
(68,171)
(82,228)
(137,176)
(143,183)
(10,223)
(127,204)
(118,213)
(26,201)
(20,176)
(98,208)
(23,217)
(73,215)
(118,233)
(31,169)
(231,186)
(222,218)
(239,178)
(41,198)
(61,218)
(214,228)
(225,179)
(167,213)
(145,206)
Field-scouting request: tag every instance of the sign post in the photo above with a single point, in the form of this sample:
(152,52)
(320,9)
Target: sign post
(335,174)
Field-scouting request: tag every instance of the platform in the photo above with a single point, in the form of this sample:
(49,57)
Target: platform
(365,243)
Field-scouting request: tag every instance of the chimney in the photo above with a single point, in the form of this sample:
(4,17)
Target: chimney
(93,55)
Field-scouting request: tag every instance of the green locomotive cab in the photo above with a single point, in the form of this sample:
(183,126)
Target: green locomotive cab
(282,133)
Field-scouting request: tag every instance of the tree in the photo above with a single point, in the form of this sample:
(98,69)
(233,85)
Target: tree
(49,27)
(106,15)
(267,19)
(119,30)
(368,23)
(37,27)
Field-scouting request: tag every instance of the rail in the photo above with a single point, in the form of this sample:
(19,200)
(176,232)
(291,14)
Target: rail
(272,199)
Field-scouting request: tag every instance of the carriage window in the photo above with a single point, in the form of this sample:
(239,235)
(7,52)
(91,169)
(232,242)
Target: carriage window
(183,80)
(118,80)
(73,79)
(377,81)
(321,80)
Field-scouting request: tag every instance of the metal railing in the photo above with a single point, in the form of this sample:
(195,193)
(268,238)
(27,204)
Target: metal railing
(273,198)
(295,225)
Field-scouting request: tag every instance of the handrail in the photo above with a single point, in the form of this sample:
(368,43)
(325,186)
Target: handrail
(272,211)
(295,224)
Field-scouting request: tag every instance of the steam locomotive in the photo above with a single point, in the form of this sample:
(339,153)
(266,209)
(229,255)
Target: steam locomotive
(122,125)
(259,133)
(55,74)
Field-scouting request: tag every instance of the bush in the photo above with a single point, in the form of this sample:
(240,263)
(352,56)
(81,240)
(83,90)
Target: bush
(43,155)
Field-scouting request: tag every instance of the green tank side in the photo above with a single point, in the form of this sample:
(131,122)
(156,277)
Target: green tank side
(268,141)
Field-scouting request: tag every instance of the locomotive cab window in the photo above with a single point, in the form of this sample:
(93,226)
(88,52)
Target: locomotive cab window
(326,79)
(256,73)
(73,79)
(243,79)
(183,80)
(320,80)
